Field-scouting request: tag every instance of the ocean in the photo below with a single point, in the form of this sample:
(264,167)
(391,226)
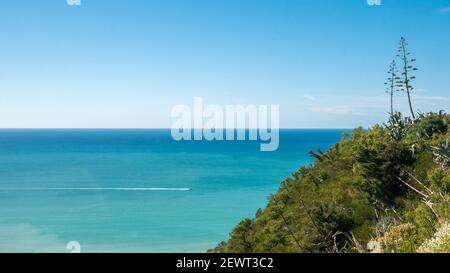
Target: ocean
(92,186)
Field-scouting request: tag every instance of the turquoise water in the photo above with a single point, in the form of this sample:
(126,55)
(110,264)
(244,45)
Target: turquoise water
(229,181)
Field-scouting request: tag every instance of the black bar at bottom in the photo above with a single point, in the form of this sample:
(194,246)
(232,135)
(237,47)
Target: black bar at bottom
(223,262)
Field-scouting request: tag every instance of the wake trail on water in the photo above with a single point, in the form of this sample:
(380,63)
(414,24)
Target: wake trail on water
(95,189)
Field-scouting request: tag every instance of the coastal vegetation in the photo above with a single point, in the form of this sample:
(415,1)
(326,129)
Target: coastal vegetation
(382,189)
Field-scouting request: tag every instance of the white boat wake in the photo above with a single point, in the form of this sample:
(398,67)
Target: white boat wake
(95,189)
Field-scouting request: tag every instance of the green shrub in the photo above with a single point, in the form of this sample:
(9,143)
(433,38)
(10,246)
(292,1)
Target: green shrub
(427,125)
(439,179)
(400,239)
(380,160)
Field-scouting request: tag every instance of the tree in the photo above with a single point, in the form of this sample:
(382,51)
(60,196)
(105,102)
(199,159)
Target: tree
(391,83)
(404,83)
(241,240)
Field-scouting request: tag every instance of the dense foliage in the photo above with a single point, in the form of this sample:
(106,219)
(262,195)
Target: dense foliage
(383,189)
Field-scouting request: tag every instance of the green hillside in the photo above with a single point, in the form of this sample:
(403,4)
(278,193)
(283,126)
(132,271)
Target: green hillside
(383,189)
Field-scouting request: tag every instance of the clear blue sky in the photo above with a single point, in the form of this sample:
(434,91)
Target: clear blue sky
(125,63)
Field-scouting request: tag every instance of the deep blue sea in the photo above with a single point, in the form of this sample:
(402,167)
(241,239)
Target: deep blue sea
(42,171)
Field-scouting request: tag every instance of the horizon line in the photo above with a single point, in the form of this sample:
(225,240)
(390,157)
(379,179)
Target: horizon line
(162,128)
